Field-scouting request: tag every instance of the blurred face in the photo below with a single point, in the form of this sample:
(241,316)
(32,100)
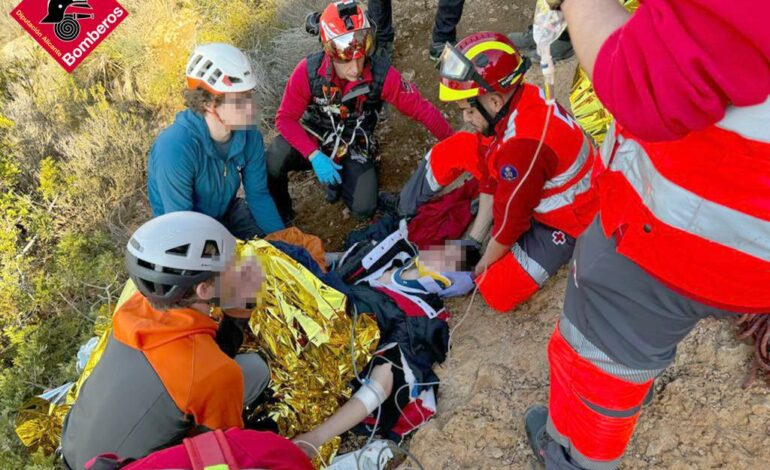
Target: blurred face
(442,259)
(238,110)
(349,70)
(236,287)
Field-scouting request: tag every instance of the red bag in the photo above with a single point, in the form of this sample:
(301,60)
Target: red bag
(233,449)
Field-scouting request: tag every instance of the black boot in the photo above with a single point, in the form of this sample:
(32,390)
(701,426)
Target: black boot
(534,423)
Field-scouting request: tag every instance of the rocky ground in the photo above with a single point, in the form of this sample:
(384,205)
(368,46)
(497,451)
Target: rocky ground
(700,416)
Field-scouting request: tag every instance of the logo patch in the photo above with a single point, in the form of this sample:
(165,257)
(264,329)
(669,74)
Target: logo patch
(509,173)
(558,237)
(69,29)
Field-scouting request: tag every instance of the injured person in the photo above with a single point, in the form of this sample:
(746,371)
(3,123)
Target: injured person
(532,161)
(395,393)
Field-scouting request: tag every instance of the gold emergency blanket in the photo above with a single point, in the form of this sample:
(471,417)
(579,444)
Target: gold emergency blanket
(302,331)
(590,113)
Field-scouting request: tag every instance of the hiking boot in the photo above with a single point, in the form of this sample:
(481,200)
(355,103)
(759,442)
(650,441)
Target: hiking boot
(387,201)
(435,50)
(561,49)
(385,50)
(332,194)
(534,424)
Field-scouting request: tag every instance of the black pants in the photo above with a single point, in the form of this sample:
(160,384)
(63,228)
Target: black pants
(359,180)
(444,30)
(240,221)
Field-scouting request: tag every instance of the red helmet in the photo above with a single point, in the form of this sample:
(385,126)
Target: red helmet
(479,64)
(346,32)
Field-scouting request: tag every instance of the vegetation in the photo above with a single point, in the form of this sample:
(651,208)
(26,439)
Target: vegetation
(73,166)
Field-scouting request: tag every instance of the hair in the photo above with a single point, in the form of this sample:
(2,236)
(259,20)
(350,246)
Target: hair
(189,298)
(198,99)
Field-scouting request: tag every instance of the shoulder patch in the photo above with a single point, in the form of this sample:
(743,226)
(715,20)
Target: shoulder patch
(406,87)
(508,173)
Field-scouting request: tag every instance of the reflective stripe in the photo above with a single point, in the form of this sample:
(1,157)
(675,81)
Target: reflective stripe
(432,182)
(751,122)
(629,413)
(687,211)
(562,179)
(566,197)
(588,351)
(532,267)
(575,454)
(608,145)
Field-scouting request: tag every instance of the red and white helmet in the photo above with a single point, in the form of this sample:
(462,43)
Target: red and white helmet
(479,64)
(220,68)
(346,32)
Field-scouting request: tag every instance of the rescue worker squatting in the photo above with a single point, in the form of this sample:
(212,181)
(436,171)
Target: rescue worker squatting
(93,36)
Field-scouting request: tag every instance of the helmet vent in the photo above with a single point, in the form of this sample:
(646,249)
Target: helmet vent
(181,250)
(194,63)
(210,249)
(205,68)
(214,76)
(145,264)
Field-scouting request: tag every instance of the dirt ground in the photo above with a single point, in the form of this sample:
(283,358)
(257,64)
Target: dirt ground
(700,417)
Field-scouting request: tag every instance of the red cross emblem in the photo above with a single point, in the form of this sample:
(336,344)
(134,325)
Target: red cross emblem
(559,238)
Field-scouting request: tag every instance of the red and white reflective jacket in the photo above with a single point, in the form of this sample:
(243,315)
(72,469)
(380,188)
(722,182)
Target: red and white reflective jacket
(695,212)
(556,191)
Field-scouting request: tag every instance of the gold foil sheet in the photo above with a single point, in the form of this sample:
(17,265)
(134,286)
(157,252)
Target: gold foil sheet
(590,113)
(302,330)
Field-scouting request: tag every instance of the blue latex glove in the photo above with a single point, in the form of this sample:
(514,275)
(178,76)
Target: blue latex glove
(462,283)
(325,168)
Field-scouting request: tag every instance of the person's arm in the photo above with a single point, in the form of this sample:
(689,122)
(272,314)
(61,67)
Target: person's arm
(406,98)
(674,66)
(296,97)
(258,197)
(483,220)
(350,414)
(590,23)
(516,196)
(173,175)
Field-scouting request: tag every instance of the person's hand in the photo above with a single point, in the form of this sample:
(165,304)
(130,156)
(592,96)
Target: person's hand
(309,443)
(325,169)
(462,283)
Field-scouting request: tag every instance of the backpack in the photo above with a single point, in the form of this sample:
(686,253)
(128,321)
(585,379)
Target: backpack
(233,449)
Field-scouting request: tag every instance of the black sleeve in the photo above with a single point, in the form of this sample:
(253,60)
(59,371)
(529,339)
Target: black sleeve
(230,334)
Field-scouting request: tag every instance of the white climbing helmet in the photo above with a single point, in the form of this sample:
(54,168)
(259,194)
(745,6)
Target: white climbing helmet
(171,253)
(220,68)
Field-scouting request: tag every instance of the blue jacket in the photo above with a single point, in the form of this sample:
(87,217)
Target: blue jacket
(186,173)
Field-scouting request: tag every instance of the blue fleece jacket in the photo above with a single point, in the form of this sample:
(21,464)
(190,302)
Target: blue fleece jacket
(186,173)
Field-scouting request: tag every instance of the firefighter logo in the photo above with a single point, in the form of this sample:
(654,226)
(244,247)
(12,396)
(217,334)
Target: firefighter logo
(509,173)
(69,30)
(558,237)
(66,15)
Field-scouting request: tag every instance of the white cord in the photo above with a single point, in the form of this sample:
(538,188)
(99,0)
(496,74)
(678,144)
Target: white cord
(315,449)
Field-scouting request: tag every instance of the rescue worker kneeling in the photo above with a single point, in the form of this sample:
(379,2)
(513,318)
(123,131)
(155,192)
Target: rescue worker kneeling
(537,197)
(167,369)
(331,107)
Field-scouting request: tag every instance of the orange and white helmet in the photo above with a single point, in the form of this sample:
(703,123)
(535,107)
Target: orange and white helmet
(346,32)
(220,68)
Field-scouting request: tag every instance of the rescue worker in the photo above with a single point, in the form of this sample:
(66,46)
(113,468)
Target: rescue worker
(330,109)
(537,198)
(212,148)
(683,230)
(167,369)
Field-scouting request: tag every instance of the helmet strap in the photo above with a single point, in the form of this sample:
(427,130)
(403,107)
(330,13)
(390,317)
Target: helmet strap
(491,121)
